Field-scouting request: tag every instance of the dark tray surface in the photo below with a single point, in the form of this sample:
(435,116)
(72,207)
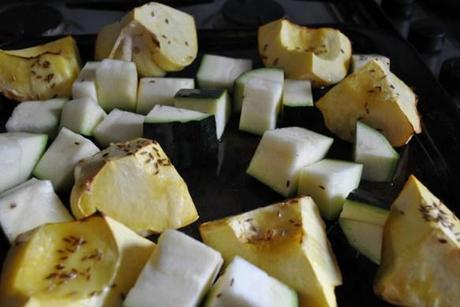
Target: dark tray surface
(221,189)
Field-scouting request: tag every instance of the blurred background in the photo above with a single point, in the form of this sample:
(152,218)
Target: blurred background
(431,27)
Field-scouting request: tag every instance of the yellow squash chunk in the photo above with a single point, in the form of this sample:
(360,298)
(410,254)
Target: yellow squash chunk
(288,241)
(320,55)
(136,184)
(420,263)
(156,37)
(84,263)
(376,97)
(41,72)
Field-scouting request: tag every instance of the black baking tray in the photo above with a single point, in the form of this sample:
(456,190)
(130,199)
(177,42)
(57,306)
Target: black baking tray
(222,188)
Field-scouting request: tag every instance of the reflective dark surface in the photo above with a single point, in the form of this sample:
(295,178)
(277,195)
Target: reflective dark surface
(222,188)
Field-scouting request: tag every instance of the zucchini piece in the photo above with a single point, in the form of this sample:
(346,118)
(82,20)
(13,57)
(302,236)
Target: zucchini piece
(363,224)
(212,101)
(19,152)
(187,136)
(244,284)
(119,126)
(272,74)
(116,83)
(60,159)
(261,105)
(179,264)
(85,85)
(281,154)
(36,116)
(360,60)
(29,205)
(221,72)
(297,93)
(329,182)
(155,91)
(82,115)
(373,150)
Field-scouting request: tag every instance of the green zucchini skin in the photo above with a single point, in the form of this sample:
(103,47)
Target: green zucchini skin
(186,144)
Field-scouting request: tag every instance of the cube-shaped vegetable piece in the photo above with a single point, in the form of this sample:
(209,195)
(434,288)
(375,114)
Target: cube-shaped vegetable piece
(211,101)
(281,154)
(261,105)
(363,224)
(147,194)
(244,284)
(82,115)
(153,91)
(36,116)
(59,160)
(297,93)
(116,83)
(179,265)
(329,182)
(360,60)
(19,152)
(29,205)
(375,153)
(85,85)
(288,241)
(119,126)
(221,72)
(89,263)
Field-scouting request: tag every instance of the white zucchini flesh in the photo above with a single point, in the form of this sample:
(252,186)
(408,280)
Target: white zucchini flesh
(19,152)
(85,85)
(363,224)
(261,105)
(373,150)
(211,101)
(116,83)
(119,126)
(244,284)
(271,74)
(59,160)
(179,265)
(359,60)
(221,72)
(329,182)
(29,205)
(82,115)
(159,91)
(167,114)
(297,93)
(36,116)
(281,154)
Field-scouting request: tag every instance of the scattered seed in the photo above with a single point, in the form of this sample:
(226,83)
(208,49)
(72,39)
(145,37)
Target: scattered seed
(392,86)
(219,295)
(275,61)
(13,205)
(59,266)
(249,220)
(53,85)
(341,50)
(232,281)
(186,43)
(265,47)
(152,13)
(164,36)
(49,77)
(169,42)
(52,275)
(77,143)
(288,183)
(46,64)
(322,187)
